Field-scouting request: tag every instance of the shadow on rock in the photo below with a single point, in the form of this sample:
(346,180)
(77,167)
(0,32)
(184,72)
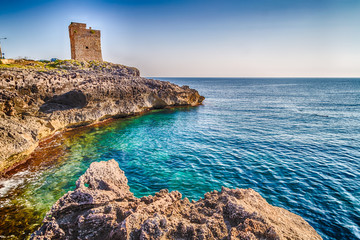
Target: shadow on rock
(69,100)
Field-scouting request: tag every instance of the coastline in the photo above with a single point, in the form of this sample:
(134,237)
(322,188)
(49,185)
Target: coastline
(109,120)
(44,142)
(38,100)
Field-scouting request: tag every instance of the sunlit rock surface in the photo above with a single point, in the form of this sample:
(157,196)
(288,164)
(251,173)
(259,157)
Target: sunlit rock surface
(102,207)
(38,99)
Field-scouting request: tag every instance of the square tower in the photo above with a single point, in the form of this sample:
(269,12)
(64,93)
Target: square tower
(85,43)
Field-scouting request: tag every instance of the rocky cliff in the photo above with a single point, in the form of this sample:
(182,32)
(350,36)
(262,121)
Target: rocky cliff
(102,207)
(38,99)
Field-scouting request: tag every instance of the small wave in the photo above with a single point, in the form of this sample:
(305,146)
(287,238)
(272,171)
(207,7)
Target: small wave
(6,185)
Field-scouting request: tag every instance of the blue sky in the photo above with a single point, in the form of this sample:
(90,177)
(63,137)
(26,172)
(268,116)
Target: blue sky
(256,38)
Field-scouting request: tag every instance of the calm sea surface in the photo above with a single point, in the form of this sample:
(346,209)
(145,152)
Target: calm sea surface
(295,141)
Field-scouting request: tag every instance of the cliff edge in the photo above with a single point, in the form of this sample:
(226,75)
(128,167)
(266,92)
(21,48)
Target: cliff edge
(39,98)
(102,207)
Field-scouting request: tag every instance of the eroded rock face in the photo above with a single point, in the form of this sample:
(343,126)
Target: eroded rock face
(102,207)
(73,99)
(34,104)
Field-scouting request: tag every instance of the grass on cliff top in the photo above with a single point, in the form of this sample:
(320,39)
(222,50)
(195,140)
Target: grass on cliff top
(43,66)
(32,64)
(24,64)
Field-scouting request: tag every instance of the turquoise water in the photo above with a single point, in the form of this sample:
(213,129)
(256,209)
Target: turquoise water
(295,141)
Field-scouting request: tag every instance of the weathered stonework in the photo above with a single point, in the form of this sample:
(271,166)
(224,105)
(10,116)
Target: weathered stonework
(85,43)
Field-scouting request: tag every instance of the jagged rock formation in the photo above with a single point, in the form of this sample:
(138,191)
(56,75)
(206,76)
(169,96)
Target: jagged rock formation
(38,99)
(102,207)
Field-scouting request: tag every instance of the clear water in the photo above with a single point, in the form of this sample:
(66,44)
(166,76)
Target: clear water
(295,141)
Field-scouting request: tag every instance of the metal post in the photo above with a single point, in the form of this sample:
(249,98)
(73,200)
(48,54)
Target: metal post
(2,55)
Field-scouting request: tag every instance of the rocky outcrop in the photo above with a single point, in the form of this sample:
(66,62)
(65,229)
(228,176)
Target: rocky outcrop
(102,207)
(38,99)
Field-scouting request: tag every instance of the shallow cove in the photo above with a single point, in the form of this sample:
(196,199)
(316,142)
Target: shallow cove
(29,190)
(295,141)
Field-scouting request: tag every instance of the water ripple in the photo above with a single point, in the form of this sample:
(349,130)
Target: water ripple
(295,141)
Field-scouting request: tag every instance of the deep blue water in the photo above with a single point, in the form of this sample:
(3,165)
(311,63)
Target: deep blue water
(295,141)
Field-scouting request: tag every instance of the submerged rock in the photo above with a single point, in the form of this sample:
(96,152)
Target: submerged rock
(38,99)
(102,207)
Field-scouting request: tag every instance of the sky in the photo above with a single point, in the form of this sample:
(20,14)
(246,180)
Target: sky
(196,38)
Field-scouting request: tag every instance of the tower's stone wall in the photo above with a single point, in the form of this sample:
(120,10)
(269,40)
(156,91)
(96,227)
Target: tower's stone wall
(85,43)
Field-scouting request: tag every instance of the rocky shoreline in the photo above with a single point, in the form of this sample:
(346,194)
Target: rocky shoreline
(38,99)
(102,207)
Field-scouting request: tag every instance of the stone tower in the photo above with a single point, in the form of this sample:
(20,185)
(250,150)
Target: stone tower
(85,43)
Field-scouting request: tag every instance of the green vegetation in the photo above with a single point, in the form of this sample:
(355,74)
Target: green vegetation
(43,65)
(27,64)
(62,66)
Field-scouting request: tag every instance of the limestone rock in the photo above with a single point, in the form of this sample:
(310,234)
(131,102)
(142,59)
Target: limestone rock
(37,100)
(102,207)
(72,99)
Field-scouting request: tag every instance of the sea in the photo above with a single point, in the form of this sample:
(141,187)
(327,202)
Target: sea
(296,141)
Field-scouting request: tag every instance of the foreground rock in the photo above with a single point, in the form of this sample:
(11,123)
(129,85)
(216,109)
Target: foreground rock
(38,99)
(102,207)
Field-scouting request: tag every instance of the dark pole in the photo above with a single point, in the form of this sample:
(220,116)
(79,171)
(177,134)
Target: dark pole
(2,55)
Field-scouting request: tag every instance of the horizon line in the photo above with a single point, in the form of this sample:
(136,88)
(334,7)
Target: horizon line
(336,77)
